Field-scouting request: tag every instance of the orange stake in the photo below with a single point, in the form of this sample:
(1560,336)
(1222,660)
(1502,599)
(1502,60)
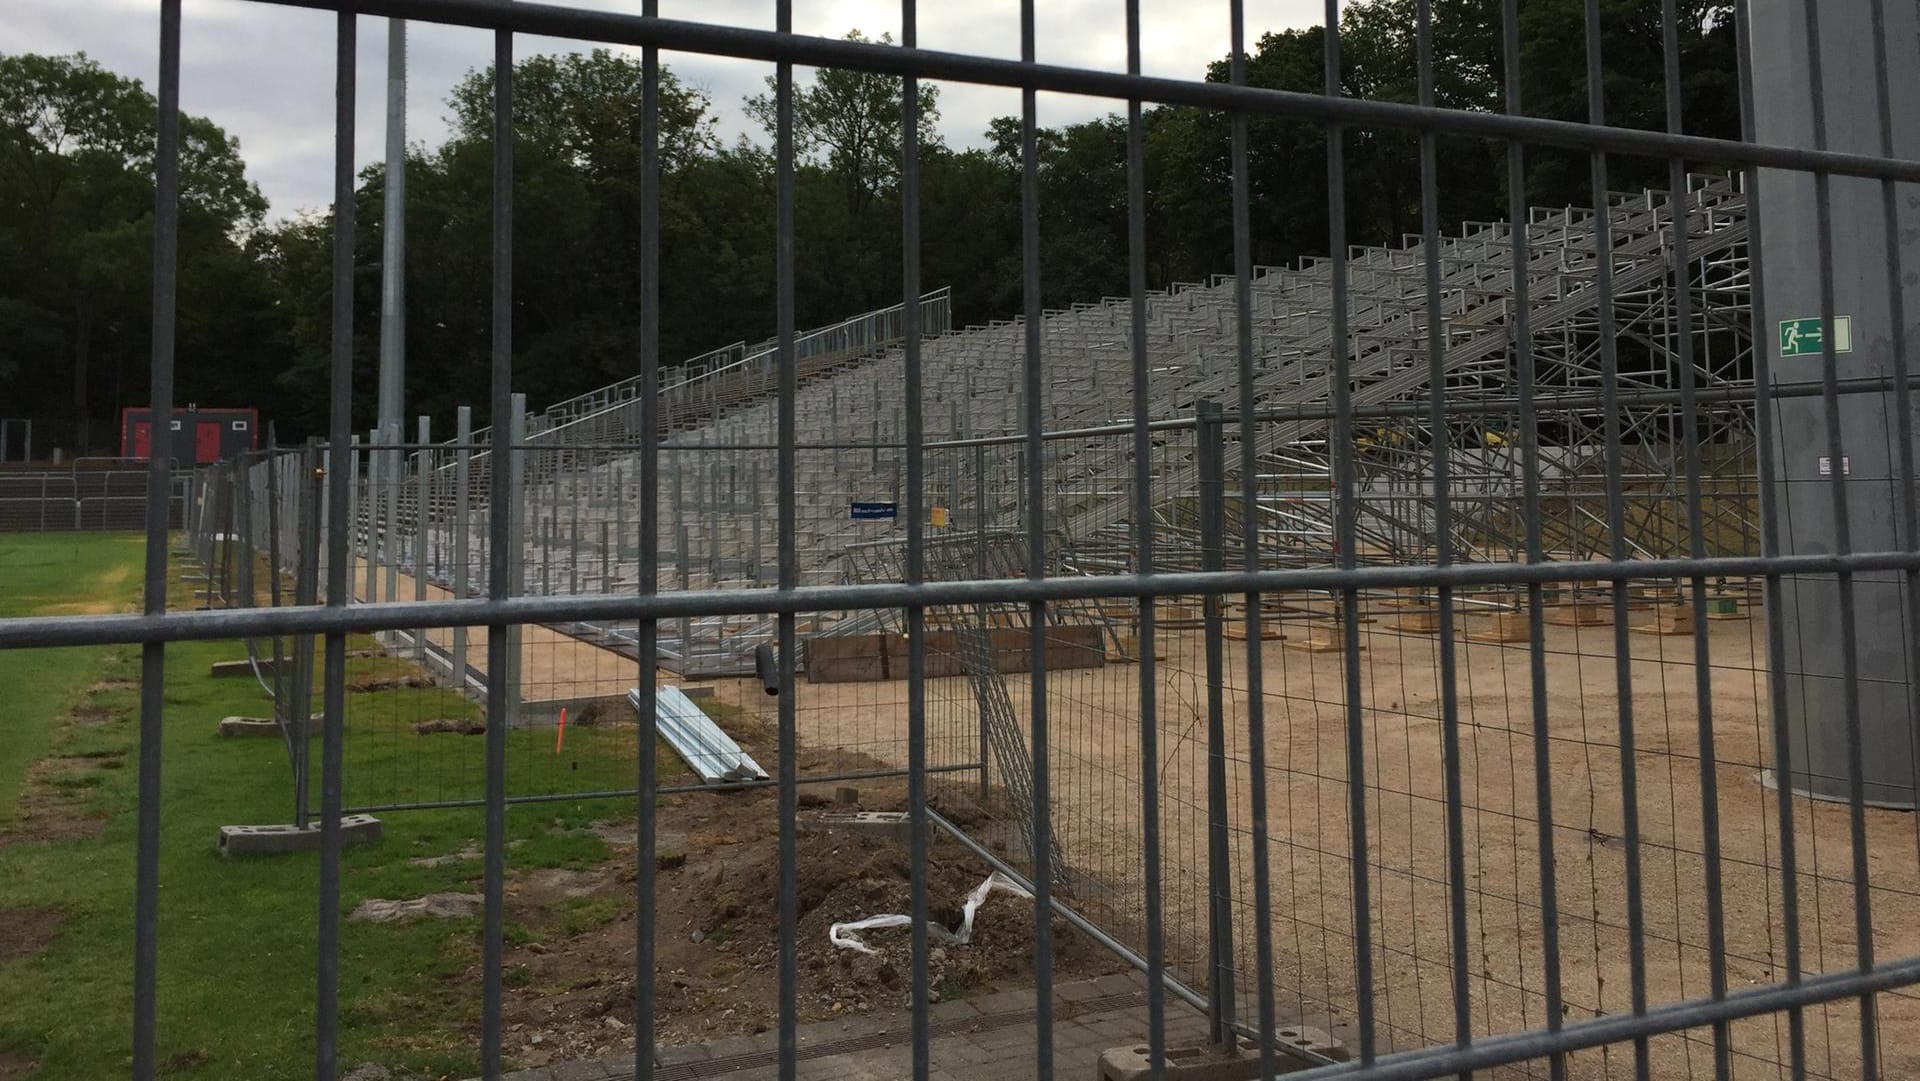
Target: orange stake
(560,734)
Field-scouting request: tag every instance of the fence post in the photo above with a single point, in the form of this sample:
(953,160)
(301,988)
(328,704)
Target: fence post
(980,572)
(517,556)
(395,472)
(282,712)
(1209,454)
(462,522)
(371,504)
(680,561)
(424,477)
(306,587)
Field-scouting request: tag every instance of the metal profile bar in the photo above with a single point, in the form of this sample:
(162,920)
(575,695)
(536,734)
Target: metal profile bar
(919,977)
(1036,554)
(339,560)
(153,657)
(1495,1051)
(1782,743)
(1843,543)
(1142,444)
(647,634)
(1696,545)
(779,46)
(658,790)
(1344,487)
(1209,452)
(502,561)
(789,569)
(1452,764)
(36,631)
(1250,548)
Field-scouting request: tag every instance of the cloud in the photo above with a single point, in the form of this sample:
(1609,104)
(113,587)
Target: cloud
(266,72)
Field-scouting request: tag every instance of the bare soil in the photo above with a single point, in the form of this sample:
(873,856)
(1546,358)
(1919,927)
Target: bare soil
(50,808)
(16,1067)
(26,931)
(570,989)
(1096,766)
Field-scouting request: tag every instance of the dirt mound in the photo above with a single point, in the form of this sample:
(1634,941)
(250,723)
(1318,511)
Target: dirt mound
(570,986)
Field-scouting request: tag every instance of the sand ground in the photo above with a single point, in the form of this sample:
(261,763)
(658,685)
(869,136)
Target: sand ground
(1095,768)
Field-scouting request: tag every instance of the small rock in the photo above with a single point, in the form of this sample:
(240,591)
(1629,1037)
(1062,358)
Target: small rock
(537,1039)
(698,936)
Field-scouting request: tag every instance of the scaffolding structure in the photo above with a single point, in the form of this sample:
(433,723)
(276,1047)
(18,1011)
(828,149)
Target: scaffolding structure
(718,425)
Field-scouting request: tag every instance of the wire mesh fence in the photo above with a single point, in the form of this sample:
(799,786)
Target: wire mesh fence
(1495,650)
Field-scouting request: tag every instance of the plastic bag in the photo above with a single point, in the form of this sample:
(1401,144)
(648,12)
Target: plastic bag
(844,935)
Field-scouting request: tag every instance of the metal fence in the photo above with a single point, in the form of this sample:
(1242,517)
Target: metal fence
(1546,846)
(87,496)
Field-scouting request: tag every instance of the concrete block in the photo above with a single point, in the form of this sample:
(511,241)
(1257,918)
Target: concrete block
(1198,1062)
(1725,606)
(268,840)
(1418,620)
(1316,640)
(235,727)
(1673,619)
(1505,627)
(1580,614)
(242,667)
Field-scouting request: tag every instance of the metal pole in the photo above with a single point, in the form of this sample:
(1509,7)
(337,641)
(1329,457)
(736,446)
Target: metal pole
(462,522)
(306,587)
(516,554)
(423,460)
(393,476)
(1209,454)
(980,571)
(373,516)
(393,259)
(153,657)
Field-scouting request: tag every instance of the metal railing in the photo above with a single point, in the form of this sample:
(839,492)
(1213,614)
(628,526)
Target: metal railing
(1586,874)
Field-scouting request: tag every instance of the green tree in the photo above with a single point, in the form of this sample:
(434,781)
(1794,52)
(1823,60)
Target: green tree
(852,122)
(76,206)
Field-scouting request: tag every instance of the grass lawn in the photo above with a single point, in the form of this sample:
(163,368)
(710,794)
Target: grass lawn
(53,574)
(237,935)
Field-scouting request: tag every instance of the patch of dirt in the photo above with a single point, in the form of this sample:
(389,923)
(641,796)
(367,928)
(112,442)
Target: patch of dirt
(50,808)
(15,1067)
(108,685)
(371,682)
(26,931)
(89,715)
(459,725)
(570,988)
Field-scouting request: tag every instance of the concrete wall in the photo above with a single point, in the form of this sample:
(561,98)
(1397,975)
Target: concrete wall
(1803,498)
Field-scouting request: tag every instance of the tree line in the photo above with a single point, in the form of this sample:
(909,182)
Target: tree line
(76,204)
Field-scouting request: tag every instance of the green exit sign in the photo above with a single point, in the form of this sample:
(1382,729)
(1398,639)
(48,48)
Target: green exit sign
(1808,337)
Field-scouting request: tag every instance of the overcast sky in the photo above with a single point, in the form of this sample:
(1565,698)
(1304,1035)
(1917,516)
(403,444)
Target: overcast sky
(265,73)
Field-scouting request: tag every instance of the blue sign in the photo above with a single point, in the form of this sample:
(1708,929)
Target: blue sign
(875,511)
